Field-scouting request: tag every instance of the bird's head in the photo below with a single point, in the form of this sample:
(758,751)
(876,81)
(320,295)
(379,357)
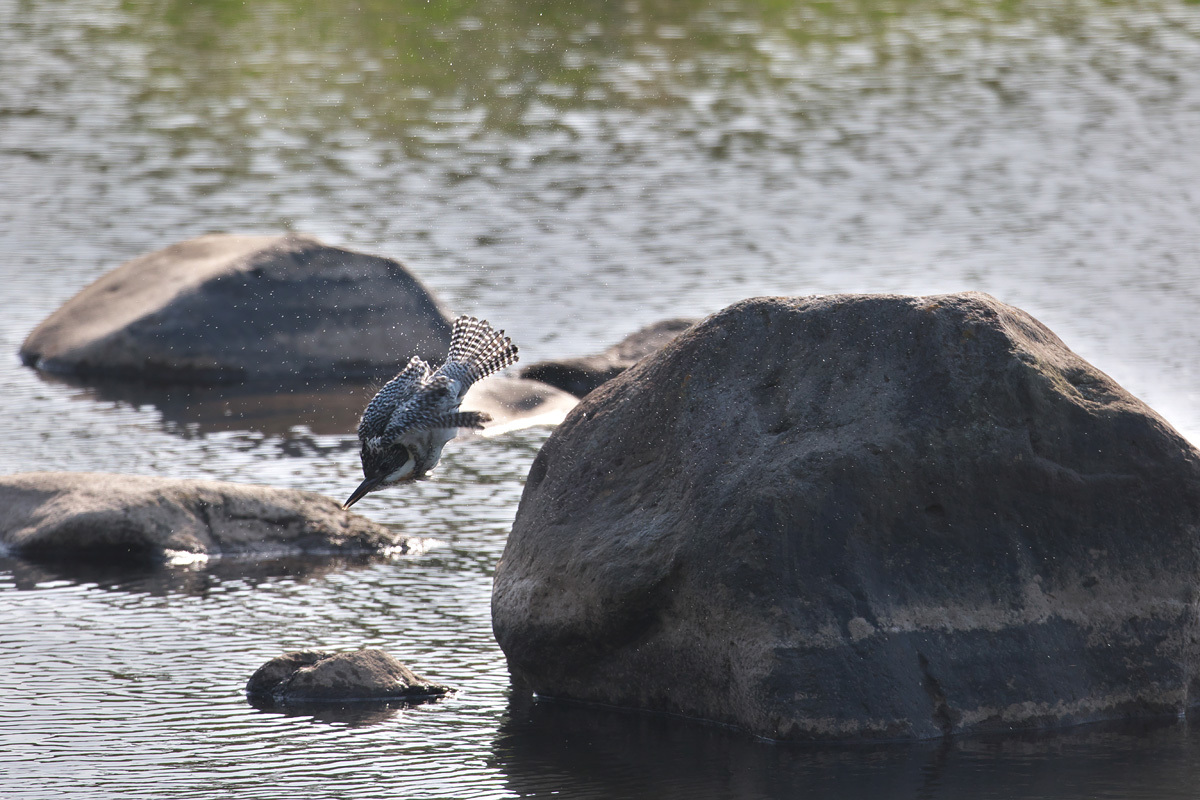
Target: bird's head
(383,466)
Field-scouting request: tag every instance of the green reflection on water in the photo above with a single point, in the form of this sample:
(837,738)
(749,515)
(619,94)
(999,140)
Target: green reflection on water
(406,69)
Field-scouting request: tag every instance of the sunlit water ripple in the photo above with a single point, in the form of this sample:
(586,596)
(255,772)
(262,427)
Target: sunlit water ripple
(571,171)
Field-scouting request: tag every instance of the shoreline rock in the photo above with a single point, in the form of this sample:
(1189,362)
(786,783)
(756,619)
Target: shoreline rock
(226,308)
(71,516)
(860,517)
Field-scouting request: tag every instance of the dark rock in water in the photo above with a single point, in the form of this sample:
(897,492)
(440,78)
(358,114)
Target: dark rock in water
(581,375)
(312,676)
(858,517)
(233,308)
(67,516)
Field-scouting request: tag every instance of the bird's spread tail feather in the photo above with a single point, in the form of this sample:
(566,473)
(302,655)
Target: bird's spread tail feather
(477,350)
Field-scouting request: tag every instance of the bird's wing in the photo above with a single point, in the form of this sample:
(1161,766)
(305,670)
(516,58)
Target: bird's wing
(476,351)
(422,410)
(395,393)
(432,409)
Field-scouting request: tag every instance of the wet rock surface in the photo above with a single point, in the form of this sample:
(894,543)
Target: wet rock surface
(312,676)
(71,516)
(581,375)
(222,308)
(860,517)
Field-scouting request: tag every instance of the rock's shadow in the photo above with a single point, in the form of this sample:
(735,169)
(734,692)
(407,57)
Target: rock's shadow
(543,746)
(195,579)
(551,747)
(325,409)
(270,409)
(357,714)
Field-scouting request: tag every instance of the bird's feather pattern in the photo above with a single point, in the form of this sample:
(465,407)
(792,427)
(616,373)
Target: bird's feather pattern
(379,411)
(476,351)
(404,427)
(423,411)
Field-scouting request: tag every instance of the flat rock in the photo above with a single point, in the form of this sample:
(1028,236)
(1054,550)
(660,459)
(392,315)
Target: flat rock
(312,676)
(860,517)
(581,375)
(66,516)
(222,308)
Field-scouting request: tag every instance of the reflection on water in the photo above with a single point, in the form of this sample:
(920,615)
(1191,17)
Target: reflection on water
(571,171)
(358,714)
(331,410)
(197,578)
(609,753)
(293,411)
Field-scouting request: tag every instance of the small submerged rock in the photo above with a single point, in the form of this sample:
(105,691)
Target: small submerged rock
(223,308)
(66,516)
(581,375)
(313,676)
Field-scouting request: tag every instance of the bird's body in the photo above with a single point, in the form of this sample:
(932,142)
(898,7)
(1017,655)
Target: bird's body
(406,425)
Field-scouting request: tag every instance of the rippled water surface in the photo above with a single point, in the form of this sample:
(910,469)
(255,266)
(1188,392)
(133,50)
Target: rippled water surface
(571,171)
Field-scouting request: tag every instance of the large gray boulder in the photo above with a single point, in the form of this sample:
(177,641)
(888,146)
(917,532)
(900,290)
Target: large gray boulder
(233,308)
(858,517)
(74,516)
(581,375)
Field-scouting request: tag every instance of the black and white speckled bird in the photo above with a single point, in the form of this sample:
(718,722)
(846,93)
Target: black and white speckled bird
(406,425)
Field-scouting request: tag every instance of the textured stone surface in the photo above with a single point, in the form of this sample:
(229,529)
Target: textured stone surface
(90,515)
(234,308)
(858,517)
(311,676)
(581,375)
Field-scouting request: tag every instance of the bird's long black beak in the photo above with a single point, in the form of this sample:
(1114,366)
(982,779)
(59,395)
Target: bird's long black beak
(364,488)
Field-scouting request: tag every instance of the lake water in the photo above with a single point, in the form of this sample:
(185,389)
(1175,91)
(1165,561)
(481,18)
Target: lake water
(571,171)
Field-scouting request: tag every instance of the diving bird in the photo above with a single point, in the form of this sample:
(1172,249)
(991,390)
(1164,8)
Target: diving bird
(406,425)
